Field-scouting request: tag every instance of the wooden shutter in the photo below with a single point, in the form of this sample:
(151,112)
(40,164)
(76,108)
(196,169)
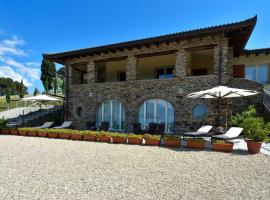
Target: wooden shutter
(239,71)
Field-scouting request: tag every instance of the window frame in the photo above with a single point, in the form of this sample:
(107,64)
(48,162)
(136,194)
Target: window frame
(256,66)
(120,119)
(165,68)
(144,107)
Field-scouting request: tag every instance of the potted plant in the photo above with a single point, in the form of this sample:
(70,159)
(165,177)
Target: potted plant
(119,137)
(134,139)
(13,131)
(195,143)
(76,135)
(103,136)
(52,133)
(153,140)
(22,131)
(222,145)
(90,135)
(42,132)
(64,133)
(256,131)
(31,132)
(172,141)
(3,126)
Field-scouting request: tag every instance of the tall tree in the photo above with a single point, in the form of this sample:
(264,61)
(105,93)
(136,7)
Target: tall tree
(21,90)
(61,72)
(55,84)
(46,86)
(47,72)
(36,92)
(8,98)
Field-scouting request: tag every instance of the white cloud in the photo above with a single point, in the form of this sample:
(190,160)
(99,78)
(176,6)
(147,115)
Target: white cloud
(34,64)
(10,50)
(10,47)
(8,72)
(32,72)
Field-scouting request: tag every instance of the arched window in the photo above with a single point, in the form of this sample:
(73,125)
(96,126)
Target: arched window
(111,111)
(157,111)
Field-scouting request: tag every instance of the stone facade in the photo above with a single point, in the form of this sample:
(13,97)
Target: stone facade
(132,93)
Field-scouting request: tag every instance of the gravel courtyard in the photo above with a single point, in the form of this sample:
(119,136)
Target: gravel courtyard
(41,168)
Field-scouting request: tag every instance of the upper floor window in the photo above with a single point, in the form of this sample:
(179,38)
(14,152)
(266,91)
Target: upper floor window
(164,72)
(259,73)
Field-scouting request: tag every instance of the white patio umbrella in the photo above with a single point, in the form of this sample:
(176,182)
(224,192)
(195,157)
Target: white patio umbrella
(41,98)
(221,92)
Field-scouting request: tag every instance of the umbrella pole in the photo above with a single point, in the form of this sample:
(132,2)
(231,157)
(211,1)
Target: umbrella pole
(219,111)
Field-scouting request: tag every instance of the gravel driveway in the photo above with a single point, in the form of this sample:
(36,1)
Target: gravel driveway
(40,168)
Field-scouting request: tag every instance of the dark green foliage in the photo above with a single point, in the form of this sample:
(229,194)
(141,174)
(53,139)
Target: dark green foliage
(21,91)
(254,127)
(47,73)
(8,97)
(46,86)
(12,86)
(61,72)
(55,84)
(3,124)
(36,92)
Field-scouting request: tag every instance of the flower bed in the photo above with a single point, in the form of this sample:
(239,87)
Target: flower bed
(135,139)
(172,141)
(152,140)
(195,143)
(119,137)
(223,146)
(103,136)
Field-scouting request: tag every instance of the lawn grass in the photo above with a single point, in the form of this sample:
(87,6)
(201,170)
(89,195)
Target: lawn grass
(13,103)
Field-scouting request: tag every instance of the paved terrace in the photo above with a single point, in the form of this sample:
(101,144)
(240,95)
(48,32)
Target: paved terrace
(41,168)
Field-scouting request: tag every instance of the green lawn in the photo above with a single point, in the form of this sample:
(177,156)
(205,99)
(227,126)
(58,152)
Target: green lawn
(13,104)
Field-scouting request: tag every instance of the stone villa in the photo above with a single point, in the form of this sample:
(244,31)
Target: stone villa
(146,80)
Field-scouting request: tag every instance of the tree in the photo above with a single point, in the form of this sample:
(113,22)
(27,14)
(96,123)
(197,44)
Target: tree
(9,84)
(21,89)
(46,86)
(47,73)
(8,98)
(36,92)
(61,72)
(55,84)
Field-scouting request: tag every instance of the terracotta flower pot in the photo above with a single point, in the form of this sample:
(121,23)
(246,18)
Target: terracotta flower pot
(5,131)
(152,142)
(103,138)
(195,144)
(132,140)
(119,139)
(223,147)
(52,135)
(42,134)
(32,133)
(76,137)
(172,143)
(23,133)
(64,135)
(13,132)
(89,137)
(253,147)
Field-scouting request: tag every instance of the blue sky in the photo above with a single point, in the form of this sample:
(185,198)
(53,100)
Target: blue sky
(30,28)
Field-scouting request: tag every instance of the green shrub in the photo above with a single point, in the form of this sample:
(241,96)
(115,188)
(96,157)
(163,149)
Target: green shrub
(120,135)
(104,133)
(221,142)
(256,129)
(135,136)
(148,136)
(172,137)
(3,124)
(94,133)
(239,118)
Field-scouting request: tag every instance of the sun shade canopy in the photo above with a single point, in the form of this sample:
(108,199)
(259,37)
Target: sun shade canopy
(41,98)
(222,92)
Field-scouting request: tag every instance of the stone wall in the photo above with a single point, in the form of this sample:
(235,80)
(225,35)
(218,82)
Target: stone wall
(132,93)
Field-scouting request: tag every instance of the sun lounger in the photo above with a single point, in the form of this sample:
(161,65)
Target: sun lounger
(45,125)
(199,133)
(66,124)
(232,133)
